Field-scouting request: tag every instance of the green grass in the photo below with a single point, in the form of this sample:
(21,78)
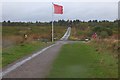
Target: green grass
(13,36)
(39,30)
(16,52)
(82,61)
(17,30)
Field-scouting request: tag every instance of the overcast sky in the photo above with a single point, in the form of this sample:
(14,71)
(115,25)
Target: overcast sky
(34,10)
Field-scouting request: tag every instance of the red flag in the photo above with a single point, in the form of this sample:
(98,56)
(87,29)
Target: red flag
(58,9)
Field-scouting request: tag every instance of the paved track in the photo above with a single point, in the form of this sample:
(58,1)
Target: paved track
(38,64)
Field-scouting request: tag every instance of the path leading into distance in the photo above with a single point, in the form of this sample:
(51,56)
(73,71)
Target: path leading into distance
(38,64)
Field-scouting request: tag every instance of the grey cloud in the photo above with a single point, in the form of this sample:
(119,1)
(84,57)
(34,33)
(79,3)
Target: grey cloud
(42,11)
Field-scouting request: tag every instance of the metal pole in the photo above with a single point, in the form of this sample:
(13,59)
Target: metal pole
(52,23)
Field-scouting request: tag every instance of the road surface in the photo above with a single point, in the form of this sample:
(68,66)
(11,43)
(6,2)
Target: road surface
(67,34)
(38,64)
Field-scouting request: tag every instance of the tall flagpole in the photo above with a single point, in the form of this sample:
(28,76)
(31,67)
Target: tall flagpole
(52,23)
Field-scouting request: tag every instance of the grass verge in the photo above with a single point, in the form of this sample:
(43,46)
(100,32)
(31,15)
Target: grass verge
(79,60)
(16,52)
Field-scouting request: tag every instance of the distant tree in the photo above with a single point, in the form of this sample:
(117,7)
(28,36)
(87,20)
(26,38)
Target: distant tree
(4,21)
(8,21)
(77,21)
(89,21)
(95,21)
(37,22)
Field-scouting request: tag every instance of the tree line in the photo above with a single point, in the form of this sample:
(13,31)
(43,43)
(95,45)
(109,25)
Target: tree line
(58,23)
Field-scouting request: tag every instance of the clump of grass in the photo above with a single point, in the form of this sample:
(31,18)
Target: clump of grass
(109,45)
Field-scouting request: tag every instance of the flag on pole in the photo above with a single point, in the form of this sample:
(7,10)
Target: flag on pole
(58,9)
